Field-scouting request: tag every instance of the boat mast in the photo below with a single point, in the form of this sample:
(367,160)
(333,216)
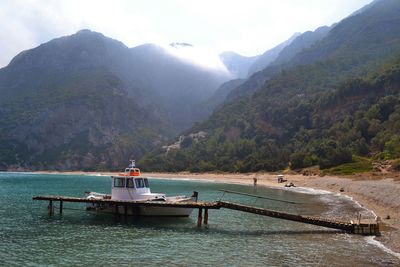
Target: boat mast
(133,163)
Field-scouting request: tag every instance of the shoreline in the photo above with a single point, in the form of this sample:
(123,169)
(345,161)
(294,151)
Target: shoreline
(378,194)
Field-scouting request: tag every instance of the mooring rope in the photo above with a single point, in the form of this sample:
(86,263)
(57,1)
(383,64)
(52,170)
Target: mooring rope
(257,196)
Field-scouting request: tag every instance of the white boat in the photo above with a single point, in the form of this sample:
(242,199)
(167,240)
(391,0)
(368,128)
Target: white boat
(131,186)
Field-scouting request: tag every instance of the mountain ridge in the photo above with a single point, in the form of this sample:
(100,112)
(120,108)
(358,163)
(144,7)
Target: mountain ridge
(98,83)
(270,55)
(288,121)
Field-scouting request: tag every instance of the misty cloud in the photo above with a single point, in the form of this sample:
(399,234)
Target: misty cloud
(248,28)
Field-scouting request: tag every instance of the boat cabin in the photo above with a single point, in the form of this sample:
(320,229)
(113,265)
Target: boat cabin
(131,186)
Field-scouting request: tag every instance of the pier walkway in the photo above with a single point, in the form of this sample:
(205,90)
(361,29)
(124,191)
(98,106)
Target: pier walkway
(360,227)
(335,224)
(196,205)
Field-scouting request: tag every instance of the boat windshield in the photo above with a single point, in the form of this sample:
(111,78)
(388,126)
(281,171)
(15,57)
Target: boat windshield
(130,183)
(142,183)
(119,182)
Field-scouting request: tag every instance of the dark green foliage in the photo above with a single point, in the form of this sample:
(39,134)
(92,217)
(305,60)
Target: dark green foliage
(358,166)
(327,128)
(187,142)
(301,159)
(392,147)
(330,154)
(87,123)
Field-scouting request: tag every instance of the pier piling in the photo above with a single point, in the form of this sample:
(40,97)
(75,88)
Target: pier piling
(125,211)
(50,208)
(116,211)
(199,218)
(136,212)
(61,206)
(205,217)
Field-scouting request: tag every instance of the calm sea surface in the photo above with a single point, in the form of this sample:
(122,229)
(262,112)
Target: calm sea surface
(29,237)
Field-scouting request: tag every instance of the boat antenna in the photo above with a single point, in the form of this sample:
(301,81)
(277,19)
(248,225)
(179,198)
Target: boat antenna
(133,163)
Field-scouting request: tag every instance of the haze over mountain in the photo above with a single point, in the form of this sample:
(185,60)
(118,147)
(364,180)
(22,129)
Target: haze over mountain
(237,64)
(275,60)
(331,102)
(85,101)
(179,86)
(302,41)
(221,94)
(270,56)
(299,51)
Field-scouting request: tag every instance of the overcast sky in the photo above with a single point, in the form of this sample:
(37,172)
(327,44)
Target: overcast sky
(249,27)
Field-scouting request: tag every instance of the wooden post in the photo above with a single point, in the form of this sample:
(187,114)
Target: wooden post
(205,217)
(195,195)
(125,211)
(50,207)
(199,218)
(61,206)
(116,211)
(135,212)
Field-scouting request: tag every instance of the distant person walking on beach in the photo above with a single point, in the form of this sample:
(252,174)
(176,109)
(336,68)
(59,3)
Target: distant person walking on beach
(255,181)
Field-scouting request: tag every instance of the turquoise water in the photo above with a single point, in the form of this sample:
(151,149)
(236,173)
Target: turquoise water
(29,237)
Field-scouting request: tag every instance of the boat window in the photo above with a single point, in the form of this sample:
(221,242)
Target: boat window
(139,183)
(130,183)
(119,182)
(146,182)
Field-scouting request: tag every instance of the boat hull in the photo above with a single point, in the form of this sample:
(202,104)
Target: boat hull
(167,212)
(143,211)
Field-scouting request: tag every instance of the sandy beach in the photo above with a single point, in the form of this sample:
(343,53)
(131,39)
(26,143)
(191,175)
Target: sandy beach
(380,194)
(377,192)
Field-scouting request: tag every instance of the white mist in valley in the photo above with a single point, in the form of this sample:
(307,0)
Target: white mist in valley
(197,55)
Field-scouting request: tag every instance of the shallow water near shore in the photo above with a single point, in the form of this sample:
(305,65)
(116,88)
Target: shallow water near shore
(29,237)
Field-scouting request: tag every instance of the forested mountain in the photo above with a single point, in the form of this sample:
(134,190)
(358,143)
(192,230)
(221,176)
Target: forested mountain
(242,67)
(222,92)
(301,42)
(270,56)
(345,46)
(280,61)
(323,98)
(331,102)
(88,101)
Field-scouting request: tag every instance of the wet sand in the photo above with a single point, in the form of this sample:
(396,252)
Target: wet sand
(380,194)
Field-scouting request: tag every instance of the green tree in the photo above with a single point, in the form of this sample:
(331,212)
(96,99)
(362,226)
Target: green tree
(330,154)
(392,147)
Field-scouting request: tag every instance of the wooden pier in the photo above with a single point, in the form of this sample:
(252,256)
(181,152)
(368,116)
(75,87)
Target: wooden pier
(346,226)
(198,204)
(360,227)
(133,205)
